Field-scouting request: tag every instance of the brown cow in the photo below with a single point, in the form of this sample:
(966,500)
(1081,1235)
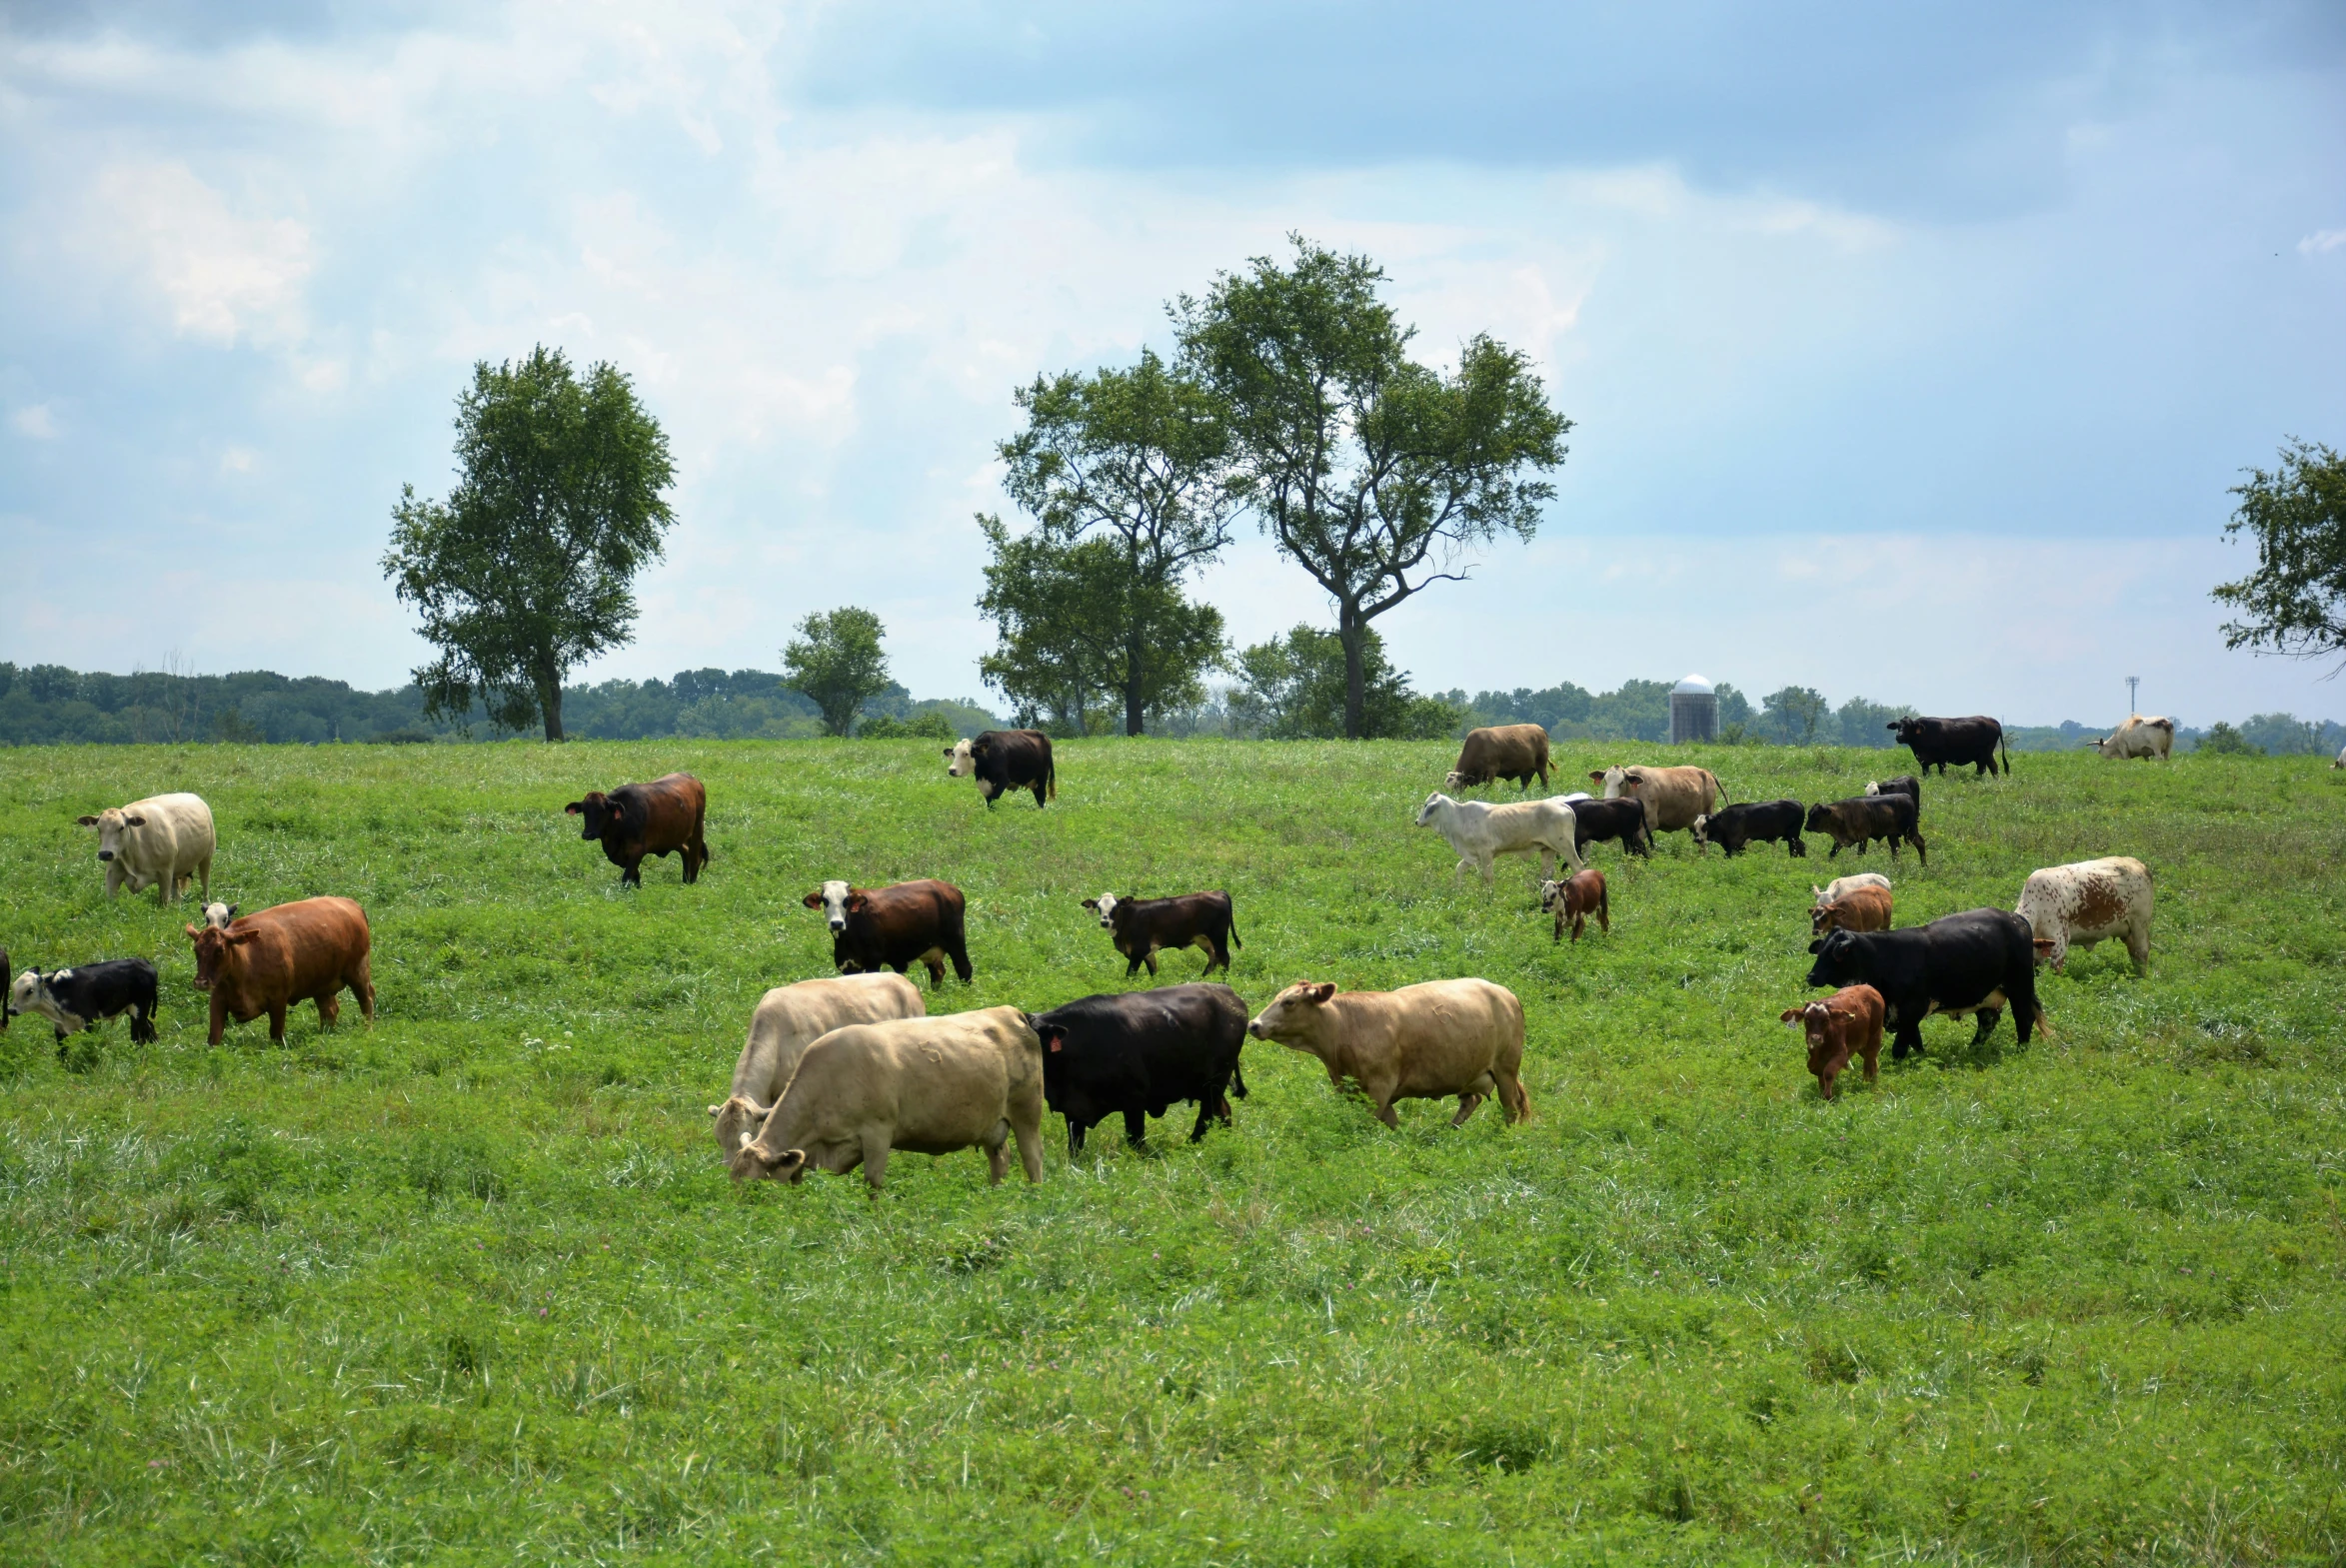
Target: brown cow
(1865,908)
(1515,751)
(895,927)
(1573,900)
(270,959)
(1140,927)
(661,818)
(1848,1022)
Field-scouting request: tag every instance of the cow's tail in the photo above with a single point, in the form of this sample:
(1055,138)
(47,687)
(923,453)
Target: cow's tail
(1051,778)
(1234,938)
(2044,1021)
(2004,744)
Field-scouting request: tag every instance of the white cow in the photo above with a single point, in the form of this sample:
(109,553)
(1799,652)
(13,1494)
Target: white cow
(2139,737)
(1482,833)
(2080,905)
(2341,761)
(165,841)
(788,1019)
(1838,889)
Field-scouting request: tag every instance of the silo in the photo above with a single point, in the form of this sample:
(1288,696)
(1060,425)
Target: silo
(1694,711)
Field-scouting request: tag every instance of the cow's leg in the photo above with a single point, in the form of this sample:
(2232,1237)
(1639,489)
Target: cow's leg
(1026,1127)
(1213,1103)
(113,879)
(876,1159)
(936,968)
(277,1024)
(361,981)
(1149,957)
(142,1022)
(1920,853)
(1136,1130)
(1986,1019)
(2138,947)
(219,1019)
(1468,1103)
(329,1007)
(1075,1129)
(632,873)
(1907,1039)
(204,869)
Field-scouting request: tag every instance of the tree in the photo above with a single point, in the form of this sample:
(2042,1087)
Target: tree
(1373,472)
(1293,688)
(837,663)
(1139,459)
(2294,602)
(524,572)
(1793,716)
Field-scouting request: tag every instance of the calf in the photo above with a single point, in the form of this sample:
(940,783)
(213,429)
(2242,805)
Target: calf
(218,916)
(1141,927)
(1846,1023)
(1003,760)
(2139,737)
(1904,783)
(1838,889)
(788,1019)
(1735,828)
(1864,909)
(1574,900)
(2080,904)
(1442,1037)
(1673,797)
(268,960)
(74,998)
(1938,742)
(1980,961)
(661,818)
(1139,1054)
(1518,752)
(895,927)
(1889,818)
(165,840)
(1624,820)
(923,1086)
(1480,834)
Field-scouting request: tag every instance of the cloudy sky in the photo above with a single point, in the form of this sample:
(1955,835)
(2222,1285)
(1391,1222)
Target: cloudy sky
(1911,349)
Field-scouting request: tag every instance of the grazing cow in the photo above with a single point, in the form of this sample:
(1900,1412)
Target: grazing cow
(661,818)
(1846,1023)
(2077,906)
(165,840)
(1002,761)
(1938,742)
(1622,819)
(895,927)
(790,1018)
(1517,752)
(1574,899)
(74,998)
(1480,834)
(923,1085)
(1141,927)
(1904,783)
(1839,887)
(1735,828)
(2341,761)
(268,960)
(6,1012)
(1865,908)
(1442,1037)
(217,915)
(1858,822)
(2139,737)
(1980,961)
(1673,797)
(1139,1053)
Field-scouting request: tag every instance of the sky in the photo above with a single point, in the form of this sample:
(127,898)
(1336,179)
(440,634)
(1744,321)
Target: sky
(1910,351)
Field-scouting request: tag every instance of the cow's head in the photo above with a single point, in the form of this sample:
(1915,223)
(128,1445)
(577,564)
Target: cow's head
(1701,831)
(24,993)
(1617,781)
(1433,805)
(837,900)
(754,1164)
(959,761)
(1815,1020)
(1836,954)
(1552,897)
(1293,1017)
(1818,819)
(1820,918)
(217,915)
(111,824)
(1105,906)
(1908,730)
(737,1122)
(213,946)
(596,810)
(1452,780)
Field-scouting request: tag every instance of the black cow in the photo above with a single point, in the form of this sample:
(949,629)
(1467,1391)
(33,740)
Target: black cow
(661,818)
(1857,822)
(5,1011)
(895,927)
(1139,1053)
(1904,783)
(1621,820)
(74,998)
(1980,961)
(1736,827)
(1000,761)
(1140,927)
(1938,742)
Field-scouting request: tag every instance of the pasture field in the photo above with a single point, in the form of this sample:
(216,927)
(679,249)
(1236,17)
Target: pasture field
(472,1288)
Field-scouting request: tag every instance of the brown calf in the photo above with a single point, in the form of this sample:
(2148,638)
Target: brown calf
(1141,928)
(661,818)
(1846,1023)
(1858,909)
(268,960)
(1574,900)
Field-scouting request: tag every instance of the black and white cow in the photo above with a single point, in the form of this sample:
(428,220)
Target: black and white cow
(1938,742)
(1621,820)
(1000,761)
(1141,928)
(1139,1053)
(1980,961)
(74,998)
(1904,783)
(1736,827)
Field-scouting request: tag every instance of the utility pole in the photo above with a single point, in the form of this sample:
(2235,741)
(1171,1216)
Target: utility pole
(2131,683)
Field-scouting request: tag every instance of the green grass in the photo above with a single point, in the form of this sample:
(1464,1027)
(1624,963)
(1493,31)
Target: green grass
(473,1286)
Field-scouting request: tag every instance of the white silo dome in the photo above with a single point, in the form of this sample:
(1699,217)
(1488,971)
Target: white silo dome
(1694,686)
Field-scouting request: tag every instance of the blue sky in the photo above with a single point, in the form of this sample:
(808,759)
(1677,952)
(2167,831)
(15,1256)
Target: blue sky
(1911,349)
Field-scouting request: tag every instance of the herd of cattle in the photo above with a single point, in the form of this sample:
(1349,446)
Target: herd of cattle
(839,1072)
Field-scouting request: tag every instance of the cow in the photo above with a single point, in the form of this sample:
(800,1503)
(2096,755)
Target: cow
(1517,752)
(1904,783)
(661,818)
(1425,1042)
(1624,820)
(1479,833)
(74,998)
(1938,742)
(1980,961)
(5,1012)
(1858,822)
(2077,906)
(1673,797)
(895,927)
(1840,886)
(268,960)
(787,1021)
(1139,1053)
(218,916)
(922,1085)
(2139,737)
(1574,899)
(1142,927)
(1864,909)
(1846,1023)
(2341,761)
(165,840)
(1003,760)
(1736,827)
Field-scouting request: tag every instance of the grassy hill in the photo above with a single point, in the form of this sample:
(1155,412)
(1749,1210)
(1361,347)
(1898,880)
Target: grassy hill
(473,1286)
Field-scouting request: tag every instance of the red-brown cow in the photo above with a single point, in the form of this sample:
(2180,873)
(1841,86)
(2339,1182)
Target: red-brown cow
(272,958)
(1846,1023)
(1574,900)
(895,927)
(661,818)
(1865,908)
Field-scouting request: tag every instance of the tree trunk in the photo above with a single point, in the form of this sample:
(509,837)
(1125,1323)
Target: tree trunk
(549,703)
(1132,714)
(1353,632)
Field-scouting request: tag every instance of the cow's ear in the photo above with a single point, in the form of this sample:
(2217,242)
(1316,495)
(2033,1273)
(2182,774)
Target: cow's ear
(2043,947)
(576,808)
(1816,946)
(1793,1014)
(134,821)
(813,900)
(232,911)
(240,939)
(1321,991)
(1093,905)
(87,821)
(857,903)
(195,931)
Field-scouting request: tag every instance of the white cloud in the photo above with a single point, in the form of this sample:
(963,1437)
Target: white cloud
(36,422)
(2321,242)
(237,460)
(219,275)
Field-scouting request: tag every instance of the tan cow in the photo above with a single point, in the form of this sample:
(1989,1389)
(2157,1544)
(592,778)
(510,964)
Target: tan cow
(1517,752)
(788,1019)
(1865,908)
(2139,737)
(1442,1037)
(2080,904)
(165,840)
(1673,797)
(924,1085)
